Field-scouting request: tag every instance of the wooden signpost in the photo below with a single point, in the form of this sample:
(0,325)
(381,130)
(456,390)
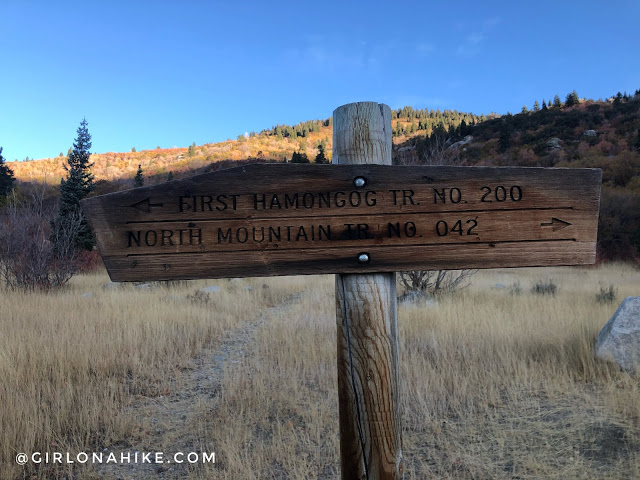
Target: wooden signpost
(363,219)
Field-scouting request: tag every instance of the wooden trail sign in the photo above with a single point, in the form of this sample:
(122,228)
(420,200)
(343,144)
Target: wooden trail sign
(363,219)
(287,219)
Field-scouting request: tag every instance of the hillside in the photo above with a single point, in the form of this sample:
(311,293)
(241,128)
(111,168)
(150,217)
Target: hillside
(575,133)
(274,144)
(584,134)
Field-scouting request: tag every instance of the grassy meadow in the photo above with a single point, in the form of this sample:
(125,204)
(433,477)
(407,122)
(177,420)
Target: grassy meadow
(495,383)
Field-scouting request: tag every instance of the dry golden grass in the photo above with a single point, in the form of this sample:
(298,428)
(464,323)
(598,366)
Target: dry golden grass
(494,385)
(69,363)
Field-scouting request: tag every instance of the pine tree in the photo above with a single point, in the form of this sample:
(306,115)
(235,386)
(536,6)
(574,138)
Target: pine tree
(544,105)
(138,180)
(6,178)
(572,99)
(524,109)
(504,141)
(299,158)
(463,128)
(536,106)
(556,101)
(170,176)
(321,158)
(78,184)
(192,149)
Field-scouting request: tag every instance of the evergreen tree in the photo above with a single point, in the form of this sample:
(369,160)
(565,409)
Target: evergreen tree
(504,141)
(536,106)
(572,99)
(320,157)
(556,101)
(170,176)
(463,128)
(138,180)
(192,149)
(299,158)
(544,105)
(133,150)
(78,184)
(617,99)
(6,178)
(524,109)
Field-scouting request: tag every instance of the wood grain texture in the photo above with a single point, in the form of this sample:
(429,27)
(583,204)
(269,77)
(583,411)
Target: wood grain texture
(284,219)
(366,317)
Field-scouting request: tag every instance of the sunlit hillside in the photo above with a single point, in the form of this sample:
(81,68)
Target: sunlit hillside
(159,162)
(274,144)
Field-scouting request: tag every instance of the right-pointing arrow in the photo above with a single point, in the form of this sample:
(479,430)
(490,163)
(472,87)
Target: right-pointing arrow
(556,224)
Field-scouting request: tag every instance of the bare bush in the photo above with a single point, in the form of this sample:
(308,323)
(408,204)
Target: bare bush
(435,150)
(435,282)
(33,255)
(544,287)
(607,295)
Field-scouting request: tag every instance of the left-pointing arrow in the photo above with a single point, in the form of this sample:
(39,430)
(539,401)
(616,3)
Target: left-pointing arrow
(145,205)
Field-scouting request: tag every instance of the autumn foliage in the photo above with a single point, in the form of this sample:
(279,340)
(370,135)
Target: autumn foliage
(577,133)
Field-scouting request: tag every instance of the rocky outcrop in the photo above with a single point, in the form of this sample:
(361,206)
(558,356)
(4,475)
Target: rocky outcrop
(465,141)
(554,143)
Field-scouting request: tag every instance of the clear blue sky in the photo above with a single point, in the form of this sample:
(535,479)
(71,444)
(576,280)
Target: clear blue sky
(170,73)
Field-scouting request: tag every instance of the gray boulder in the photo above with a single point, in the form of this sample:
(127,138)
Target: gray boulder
(619,339)
(590,133)
(554,143)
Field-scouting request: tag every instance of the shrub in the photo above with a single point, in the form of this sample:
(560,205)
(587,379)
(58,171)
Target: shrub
(33,255)
(544,287)
(435,282)
(199,298)
(606,295)
(515,288)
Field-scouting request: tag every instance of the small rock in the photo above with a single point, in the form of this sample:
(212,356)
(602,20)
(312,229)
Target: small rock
(265,286)
(211,289)
(143,286)
(172,298)
(619,339)
(87,295)
(111,286)
(248,289)
(499,286)
(590,133)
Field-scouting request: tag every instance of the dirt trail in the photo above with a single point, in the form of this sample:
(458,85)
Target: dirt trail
(165,421)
